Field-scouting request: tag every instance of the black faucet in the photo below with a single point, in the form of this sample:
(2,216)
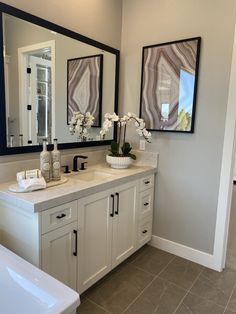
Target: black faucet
(75,161)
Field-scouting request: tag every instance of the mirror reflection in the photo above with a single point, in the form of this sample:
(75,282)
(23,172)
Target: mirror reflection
(37,67)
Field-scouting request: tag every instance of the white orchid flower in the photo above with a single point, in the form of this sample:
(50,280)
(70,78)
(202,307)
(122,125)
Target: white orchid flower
(125,118)
(115,117)
(121,123)
(80,123)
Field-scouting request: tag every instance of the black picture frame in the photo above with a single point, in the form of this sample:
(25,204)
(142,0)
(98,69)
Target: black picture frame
(169,80)
(6,150)
(89,70)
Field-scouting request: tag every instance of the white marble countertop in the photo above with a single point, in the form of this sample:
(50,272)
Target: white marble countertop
(74,188)
(26,289)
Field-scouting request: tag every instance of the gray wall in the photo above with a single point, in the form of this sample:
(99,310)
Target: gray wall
(97,19)
(188,181)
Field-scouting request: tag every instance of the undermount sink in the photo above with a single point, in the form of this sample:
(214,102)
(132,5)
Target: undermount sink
(92,175)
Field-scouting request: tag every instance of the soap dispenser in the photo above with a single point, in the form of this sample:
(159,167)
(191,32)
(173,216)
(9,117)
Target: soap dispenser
(45,161)
(56,162)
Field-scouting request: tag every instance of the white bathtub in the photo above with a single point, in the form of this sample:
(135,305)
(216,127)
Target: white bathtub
(26,289)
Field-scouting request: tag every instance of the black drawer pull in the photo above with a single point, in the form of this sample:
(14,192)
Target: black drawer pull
(147,182)
(144,231)
(117,204)
(146,204)
(113,205)
(76,242)
(61,216)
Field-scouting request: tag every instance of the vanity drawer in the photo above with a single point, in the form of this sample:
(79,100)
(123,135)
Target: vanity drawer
(146,203)
(59,216)
(145,231)
(147,182)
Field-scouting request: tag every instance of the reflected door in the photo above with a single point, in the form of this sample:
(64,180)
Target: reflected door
(40,82)
(39,115)
(36,64)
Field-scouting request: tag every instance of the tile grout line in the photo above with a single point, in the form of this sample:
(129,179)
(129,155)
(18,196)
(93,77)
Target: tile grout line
(143,270)
(147,286)
(174,257)
(229,298)
(207,299)
(141,254)
(181,301)
(102,308)
(102,283)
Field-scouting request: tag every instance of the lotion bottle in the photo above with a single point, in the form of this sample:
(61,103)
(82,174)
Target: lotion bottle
(45,161)
(56,162)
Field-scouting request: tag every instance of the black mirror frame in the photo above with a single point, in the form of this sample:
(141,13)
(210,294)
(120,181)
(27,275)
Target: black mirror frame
(4,150)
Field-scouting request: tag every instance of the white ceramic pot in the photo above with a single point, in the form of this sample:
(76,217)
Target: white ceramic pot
(118,162)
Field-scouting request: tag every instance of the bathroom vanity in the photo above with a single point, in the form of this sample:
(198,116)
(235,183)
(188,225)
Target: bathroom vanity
(79,231)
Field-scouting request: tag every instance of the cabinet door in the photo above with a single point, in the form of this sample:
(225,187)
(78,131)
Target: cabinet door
(124,222)
(58,259)
(95,236)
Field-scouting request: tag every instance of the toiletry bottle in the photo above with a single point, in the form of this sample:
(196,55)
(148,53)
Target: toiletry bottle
(11,140)
(56,162)
(20,139)
(45,161)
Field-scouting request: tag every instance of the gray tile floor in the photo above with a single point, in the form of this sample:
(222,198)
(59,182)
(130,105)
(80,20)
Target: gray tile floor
(153,281)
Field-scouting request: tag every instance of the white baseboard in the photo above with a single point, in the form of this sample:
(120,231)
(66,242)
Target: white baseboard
(181,250)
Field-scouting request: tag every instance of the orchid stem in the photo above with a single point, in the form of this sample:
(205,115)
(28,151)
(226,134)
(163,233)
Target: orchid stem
(119,137)
(124,134)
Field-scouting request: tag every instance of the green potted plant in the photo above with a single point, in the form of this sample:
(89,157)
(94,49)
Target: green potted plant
(120,155)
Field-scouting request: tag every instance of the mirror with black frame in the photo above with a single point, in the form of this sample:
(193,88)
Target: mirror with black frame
(48,74)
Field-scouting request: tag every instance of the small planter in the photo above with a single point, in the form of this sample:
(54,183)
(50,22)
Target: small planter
(119,162)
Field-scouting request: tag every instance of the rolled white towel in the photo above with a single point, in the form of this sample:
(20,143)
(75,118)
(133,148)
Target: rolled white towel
(32,184)
(28,174)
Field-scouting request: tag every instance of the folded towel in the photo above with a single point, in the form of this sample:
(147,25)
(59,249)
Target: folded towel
(32,184)
(28,174)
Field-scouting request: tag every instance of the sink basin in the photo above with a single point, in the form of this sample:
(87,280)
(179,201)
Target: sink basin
(92,175)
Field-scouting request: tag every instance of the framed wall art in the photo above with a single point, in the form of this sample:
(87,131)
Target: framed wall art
(84,86)
(169,85)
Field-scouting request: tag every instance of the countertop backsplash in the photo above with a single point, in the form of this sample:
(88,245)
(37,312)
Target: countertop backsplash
(8,169)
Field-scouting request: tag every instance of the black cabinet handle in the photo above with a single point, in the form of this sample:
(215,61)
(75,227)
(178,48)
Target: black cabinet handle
(117,204)
(147,182)
(113,205)
(144,231)
(61,216)
(146,204)
(76,241)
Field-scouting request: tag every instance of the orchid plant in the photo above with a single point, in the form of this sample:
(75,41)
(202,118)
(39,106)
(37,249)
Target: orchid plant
(80,123)
(121,148)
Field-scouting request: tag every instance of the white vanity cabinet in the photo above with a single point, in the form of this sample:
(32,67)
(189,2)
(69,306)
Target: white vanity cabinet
(80,241)
(107,224)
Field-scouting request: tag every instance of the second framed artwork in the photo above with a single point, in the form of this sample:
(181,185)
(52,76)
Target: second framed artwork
(84,86)
(169,85)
